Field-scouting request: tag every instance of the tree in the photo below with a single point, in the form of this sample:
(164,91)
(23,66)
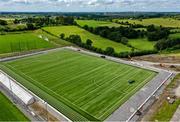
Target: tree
(86,27)
(3,22)
(16,21)
(89,42)
(151,28)
(62,35)
(109,50)
(132,49)
(124,40)
(30,26)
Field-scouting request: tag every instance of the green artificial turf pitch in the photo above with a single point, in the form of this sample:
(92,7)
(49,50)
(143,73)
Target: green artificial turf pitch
(8,111)
(91,87)
(22,42)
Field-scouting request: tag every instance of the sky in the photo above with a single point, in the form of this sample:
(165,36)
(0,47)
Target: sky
(89,5)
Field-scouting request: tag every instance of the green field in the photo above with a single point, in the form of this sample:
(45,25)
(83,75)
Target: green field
(165,22)
(175,30)
(142,44)
(22,42)
(174,36)
(94,23)
(97,40)
(8,111)
(80,86)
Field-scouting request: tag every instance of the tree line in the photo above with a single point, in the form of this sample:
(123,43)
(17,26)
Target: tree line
(117,34)
(76,39)
(168,43)
(47,21)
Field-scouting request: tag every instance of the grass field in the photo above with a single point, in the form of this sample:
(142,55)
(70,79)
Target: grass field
(166,22)
(8,111)
(22,42)
(174,36)
(97,40)
(94,23)
(80,86)
(142,44)
(175,30)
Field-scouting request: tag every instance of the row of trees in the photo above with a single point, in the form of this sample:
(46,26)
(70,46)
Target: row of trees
(3,22)
(45,21)
(167,43)
(23,27)
(129,24)
(76,39)
(153,33)
(117,34)
(157,33)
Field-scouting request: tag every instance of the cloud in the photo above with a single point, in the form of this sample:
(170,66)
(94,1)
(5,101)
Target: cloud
(87,5)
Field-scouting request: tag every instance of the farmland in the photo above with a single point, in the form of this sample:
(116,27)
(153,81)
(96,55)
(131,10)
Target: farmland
(174,36)
(8,111)
(97,40)
(80,86)
(22,42)
(94,23)
(142,44)
(165,22)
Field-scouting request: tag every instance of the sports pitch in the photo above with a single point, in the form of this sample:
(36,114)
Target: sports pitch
(81,86)
(22,42)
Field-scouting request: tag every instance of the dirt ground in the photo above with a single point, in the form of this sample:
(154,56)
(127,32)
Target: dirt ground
(170,91)
(169,67)
(160,58)
(43,113)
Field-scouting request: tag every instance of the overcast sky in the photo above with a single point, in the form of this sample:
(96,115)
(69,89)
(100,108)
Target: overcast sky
(90,5)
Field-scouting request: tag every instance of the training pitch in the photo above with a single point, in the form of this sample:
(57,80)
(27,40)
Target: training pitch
(81,86)
(22,42)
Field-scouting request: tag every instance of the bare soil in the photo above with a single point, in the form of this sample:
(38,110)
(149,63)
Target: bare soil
(43,113)
(159,58)
(169,67)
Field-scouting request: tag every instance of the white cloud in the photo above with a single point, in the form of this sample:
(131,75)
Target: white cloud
(86,5)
